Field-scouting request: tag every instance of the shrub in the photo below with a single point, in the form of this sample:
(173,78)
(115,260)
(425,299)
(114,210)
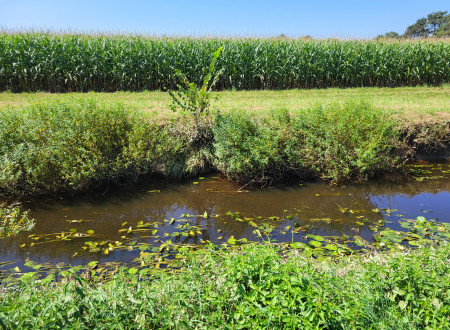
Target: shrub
(251,149)
(337,143)
(349,142)
(58,146)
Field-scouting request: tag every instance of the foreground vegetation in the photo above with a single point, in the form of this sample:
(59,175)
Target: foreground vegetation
(69,63)
(246,287)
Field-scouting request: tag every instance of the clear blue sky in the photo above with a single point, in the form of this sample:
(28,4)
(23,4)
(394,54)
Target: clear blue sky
(342,19)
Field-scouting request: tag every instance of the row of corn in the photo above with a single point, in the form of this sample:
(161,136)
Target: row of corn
(75,62)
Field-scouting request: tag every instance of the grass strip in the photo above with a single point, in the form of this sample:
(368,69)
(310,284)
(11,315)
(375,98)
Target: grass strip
(405,101)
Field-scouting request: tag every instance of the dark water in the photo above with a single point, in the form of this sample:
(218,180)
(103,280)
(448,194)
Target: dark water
(318,208)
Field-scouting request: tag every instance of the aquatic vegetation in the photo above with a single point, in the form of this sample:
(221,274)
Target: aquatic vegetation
(391,281)
(81,63)
(14,220)
(429,172)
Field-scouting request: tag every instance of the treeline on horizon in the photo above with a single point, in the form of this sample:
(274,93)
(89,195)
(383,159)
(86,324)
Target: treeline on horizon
(80,63)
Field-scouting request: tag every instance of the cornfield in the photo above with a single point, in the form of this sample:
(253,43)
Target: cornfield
(80,63)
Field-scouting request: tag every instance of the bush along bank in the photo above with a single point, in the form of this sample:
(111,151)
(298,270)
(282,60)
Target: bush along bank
(338,143)
(13,220)
(55,147)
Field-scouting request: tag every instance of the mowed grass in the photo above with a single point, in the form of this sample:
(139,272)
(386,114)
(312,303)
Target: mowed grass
(405,100)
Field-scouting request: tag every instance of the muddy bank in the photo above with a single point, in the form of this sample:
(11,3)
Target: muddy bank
(426,138)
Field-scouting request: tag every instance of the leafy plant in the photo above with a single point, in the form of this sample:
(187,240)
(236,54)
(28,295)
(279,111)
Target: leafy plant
(337,143)
(56,146)
(193,99)
(13,220)
(249,286)
(342,143)
(250,149)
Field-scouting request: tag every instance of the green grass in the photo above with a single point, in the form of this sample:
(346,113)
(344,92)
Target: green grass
(407,100)
(74,62)
(253,286)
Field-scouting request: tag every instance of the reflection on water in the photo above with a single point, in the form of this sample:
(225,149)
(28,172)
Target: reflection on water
(203,204)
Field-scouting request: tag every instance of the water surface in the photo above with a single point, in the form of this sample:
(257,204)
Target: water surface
(213,209)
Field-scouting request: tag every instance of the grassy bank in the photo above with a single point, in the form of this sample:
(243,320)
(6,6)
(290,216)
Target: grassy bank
(407,101)
(70,63)
(67,146)
(55,147)
(251,286)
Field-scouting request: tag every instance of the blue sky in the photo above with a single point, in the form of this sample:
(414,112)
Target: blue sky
(323,19)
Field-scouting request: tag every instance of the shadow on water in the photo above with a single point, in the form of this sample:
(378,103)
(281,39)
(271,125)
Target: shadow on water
(213,209)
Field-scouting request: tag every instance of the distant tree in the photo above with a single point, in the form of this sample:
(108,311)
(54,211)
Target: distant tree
(436,24)
(391,35)
(417,30)
(435,21)
(444,29)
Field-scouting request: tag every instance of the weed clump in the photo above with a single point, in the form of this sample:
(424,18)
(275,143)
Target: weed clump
(345,143)
(250,149)
(337,143)
(56,146)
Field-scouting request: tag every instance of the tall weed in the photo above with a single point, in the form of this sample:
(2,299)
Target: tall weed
(337,143)
(67,146)
(346,142)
